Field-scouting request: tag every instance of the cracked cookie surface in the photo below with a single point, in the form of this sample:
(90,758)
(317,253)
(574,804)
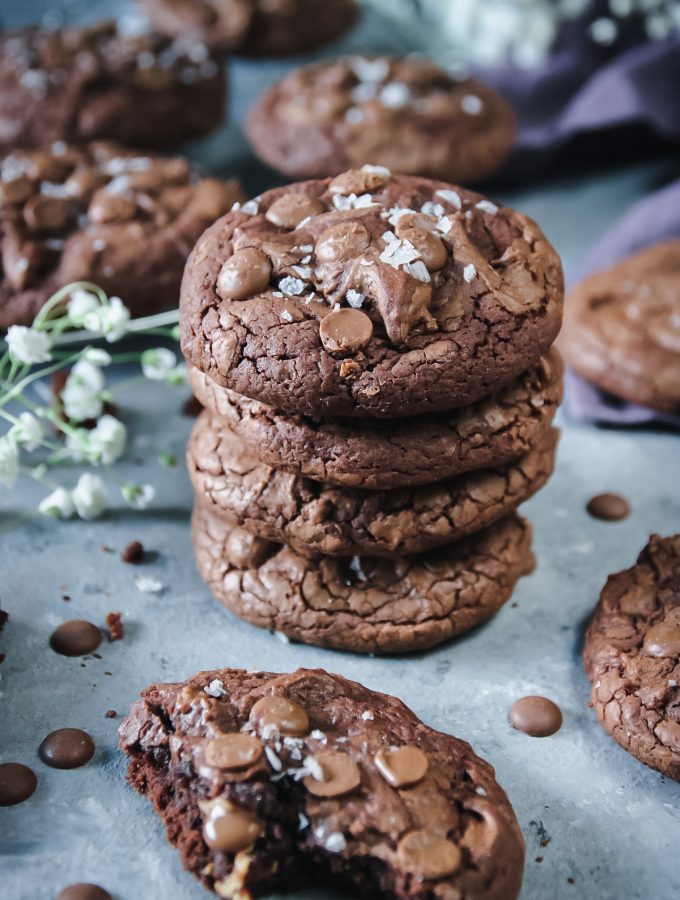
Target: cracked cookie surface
(315,518)
(392,454)
(370,295)
(104,214)
(99,82)
(362,604)
(406,114)
(270,783)
(622,328)
(632,656)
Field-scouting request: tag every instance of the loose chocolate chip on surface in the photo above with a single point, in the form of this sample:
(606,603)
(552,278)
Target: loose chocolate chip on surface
(345,331)
(83,891)
(66,748)
(233,751)
(291,209)
(17,783)
(111,714)
(245,273)
(229,830)
(428,854)
(536,716)
(133,553)
(401,766)
(287,716)
(76,638)
(340,775)
(608,507)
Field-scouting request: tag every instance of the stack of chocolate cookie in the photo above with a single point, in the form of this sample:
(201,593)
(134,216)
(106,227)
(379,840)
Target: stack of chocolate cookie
(374,355)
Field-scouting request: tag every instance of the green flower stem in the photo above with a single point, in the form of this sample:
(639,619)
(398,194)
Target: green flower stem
(21,385)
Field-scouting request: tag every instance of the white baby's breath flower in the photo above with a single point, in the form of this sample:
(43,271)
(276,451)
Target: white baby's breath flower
(89,496)
(9,461)
(59,504)
(157,364)
(179,376)
(81,304)
(82,393)
(28,433)
(139,496)
(109,319)
(26,345)
(97,356)
(108,438)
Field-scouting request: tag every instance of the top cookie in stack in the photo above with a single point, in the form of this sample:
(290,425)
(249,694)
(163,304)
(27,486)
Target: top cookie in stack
(312,312)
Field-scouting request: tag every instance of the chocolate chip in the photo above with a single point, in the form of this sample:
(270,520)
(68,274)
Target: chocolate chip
(287,716)
(17,783)
(111,714)
(431,248)
(663,639)
(340,775)
(75,638)
(608,507)
(536,716)
(46,213)
(232,751)
(106,207)
(133,553)
(359,181)
(16,190)
(342,242)
(245,273)
(114,626)
(291,209)
(66,748)
(229,829)
(427,854)
(345,331)
(401,766)
(83,891)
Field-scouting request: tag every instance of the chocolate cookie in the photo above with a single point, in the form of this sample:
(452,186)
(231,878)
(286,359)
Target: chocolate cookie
(632,656)
(622,328)
(99,82)
(268,783)
(406,114)
(421,450)
(255,27)
(370,295)
(99,213)
(362,604)
(314,518)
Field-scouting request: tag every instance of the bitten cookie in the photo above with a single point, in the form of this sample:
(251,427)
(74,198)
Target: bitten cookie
(422,450)
(362,604)
(269,783)
(255,27)
(632,656)
(406,114)
(98,82)
(622,328)
(370,295)
(314,518)
(103,214)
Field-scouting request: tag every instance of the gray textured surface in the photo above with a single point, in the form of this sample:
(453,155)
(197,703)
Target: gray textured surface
(614,825)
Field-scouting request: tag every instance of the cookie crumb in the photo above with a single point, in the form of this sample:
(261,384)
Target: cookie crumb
(4,618)
(133,553)
(105,548)
(111,714)
(571,880)
(66,598)
(2,657)
(114,626)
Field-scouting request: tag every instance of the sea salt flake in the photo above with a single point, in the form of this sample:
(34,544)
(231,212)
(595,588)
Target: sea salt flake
(393,215)
(250,208)
(286,316)
(280,636)
(452,197)
(399,253)
(318,735)
(302,271)
(382,171)
(395,95)
(354,116)
(432,209)
(335,842)
(469,273)
(303,822)
(471,104)
(487,206)
(354,298)
(351,201)
(215,689)
(367,715)
(148,585)
(273,759)
(363,92)
(370,69)
(443,226)
(294,287)
(418,270)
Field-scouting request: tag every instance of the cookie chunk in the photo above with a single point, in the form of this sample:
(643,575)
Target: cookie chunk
(362,604)
(622,328)
(406,114)
(422,450)
(100,82)
(632,656)
(255,27)
(269,783)
(370,295)
(103,214)
(314,518)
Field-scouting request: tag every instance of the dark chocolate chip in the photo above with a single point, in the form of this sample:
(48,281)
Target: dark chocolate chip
(67,748)
(76,638)
(17,783)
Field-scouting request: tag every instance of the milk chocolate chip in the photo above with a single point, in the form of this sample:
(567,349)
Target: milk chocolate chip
(359,181)
(287,716)
(107,207)
(342,242)
(66,748)
(663,639)
(340,775)
(428,854)
(229,829)
(83,891)
(15,190)
(291,209)
(46,213)
(232,751)
(401,766)
(345,331)
(536,716)
(76,638)
(17,783)
(245,273)
(431,248)
(609,507)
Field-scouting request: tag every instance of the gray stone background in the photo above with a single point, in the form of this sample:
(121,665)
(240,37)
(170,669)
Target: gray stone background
(614,825)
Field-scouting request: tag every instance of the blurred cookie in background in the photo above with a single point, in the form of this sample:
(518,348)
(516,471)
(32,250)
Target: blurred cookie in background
(107,82)
(622,328)
(406,114)
(254,27)
(104,214)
